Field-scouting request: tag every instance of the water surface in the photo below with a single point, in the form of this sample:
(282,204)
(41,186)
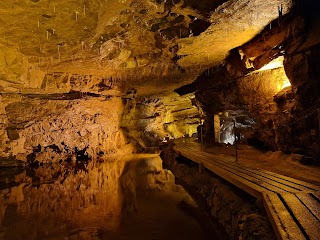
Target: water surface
(131,198)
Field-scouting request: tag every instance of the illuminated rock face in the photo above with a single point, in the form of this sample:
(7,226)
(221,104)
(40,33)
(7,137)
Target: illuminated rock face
(52,130)
(105,49)
(149,120)
(284,100)
(133,39)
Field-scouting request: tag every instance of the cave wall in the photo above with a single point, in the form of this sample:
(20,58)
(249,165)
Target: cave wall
(286,119)
(257,91)
(16,71)
(303,128)
(147,120)
(112,62)
(289,121)
(48,130)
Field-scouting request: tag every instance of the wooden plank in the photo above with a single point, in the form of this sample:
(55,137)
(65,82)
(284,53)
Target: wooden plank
(317,195)
(176,149)
(308,222)
(252,189)
(282,186)
(295,183)
(247,186)
(306,185)
(304,223)
(282,222)
(312,204)
(271,186)
(262,180)
(309,186)
(265,186)
(276,181)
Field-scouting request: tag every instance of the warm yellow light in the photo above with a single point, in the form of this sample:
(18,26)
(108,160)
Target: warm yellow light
(284,83)
(275,63)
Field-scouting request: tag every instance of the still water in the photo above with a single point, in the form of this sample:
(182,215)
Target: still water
(129,198)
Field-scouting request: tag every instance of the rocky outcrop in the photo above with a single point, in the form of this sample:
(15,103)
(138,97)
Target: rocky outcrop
(294,117)
(48,130)
(149,120)
(210,48)
(253,81)
(131,39)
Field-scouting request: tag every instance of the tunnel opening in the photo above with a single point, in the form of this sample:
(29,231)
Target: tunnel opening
(231,126)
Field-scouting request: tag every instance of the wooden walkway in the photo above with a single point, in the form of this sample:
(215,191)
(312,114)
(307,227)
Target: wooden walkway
(293,206)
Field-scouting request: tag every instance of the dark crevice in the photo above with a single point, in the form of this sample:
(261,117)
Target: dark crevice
(203,6)
(65,96)
(198,26)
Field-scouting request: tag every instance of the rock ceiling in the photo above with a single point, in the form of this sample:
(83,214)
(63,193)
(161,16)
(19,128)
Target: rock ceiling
(145,41)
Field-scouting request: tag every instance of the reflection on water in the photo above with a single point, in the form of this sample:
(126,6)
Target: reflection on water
(131,198)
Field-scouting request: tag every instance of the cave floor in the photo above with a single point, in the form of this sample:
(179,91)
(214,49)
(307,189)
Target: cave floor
(252,157)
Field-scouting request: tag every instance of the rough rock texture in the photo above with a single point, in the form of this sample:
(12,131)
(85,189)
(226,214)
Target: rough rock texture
(141,51)
(85,78)
(70,35)
(242,219)
(131,39)
(149,120)
(258,91)
(232,24)
(254,79)
(46,130)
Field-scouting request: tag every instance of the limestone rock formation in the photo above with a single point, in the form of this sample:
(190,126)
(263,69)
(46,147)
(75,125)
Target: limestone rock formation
(59,58)
(47,130)
(96,79)
(149,120)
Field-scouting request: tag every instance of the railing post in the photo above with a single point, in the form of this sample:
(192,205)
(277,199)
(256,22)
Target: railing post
(235,139)
(201,135)
(319,122)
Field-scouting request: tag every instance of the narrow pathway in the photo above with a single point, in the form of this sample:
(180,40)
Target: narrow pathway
(293,206)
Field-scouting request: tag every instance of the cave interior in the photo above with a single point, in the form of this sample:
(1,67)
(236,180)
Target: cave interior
(90,79)
(114,77)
